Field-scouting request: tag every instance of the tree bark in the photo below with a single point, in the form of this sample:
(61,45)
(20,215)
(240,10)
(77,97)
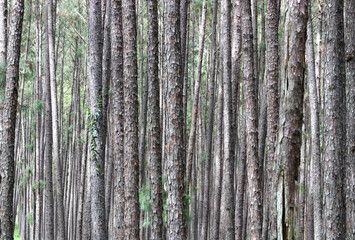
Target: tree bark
(251,115)
(208,174)
(350,77)
(334,126)
(227,202)
(272,95)
(290,123)
(8,110)
(131,164)
(3,46)
(314,112)
(118,112)
(218,159)
(174,129)
(96,124)
(155,158)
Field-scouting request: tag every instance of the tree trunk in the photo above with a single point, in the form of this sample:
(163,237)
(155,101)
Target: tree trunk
(118,111)
(3,46)
(155,157)
(251,115)
(131,165)
(227,202)
(290,124)
(334,125)
(96,124)
(314,112)
(350,77)
(174,130)
(208,174)
(218,159)
(8,110)
(196,96)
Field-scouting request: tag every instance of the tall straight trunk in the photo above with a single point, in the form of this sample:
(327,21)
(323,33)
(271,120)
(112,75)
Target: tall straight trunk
(290,124)
(155,157)
(174,122)
(106,78)
(142,111)
(350,97)
(3,45)
(208,174)
(236,67)
(218,159)
(319,48)
(184,30)
(56,158)
(96,124)
(251,115)
(118,111)
(334,125)
(241,180)
(49,202)
(272,96)
(131,165)
(227,202)
(314,112)
(196,96)
(254,27)
(8,110)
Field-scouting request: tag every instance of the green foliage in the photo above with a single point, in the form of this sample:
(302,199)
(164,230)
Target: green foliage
(30,147)
(16,232)
(144,202)
(29,218)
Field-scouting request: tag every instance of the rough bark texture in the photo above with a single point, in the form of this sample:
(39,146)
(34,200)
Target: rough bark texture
(227,202)
(131,168)
(314,112)
(251,115)
(241,181)
(155,158)
(118,111)
(334,124)
(350,77)
(3,46)
(174,130)
(272,95)
(96,128)
(290,122)
(8,110)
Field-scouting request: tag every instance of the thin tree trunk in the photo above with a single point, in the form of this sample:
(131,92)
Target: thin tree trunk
(350,76)
(227,202)
(118,111)
(208,174)
(155,158)
(56,158)
(196,97)
(3,46)
(314,112)
(272,95)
